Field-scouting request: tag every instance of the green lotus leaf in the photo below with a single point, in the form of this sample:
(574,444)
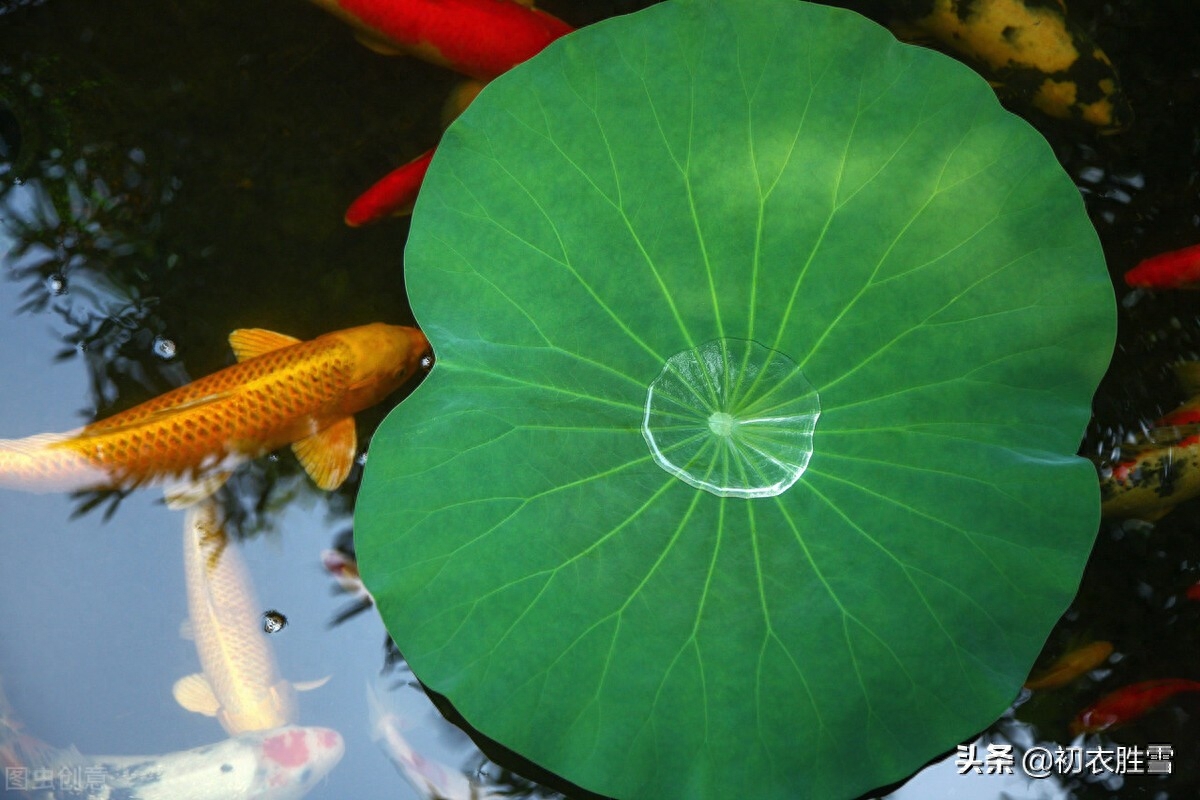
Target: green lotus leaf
(747,468)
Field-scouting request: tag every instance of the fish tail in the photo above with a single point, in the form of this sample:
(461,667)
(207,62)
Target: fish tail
(42,464)
(20,753)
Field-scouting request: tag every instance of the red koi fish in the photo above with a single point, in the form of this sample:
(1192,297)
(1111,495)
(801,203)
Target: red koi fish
(394,193)
(1178,269)
(1129,703)
(1162,468)
(282,391)
(479,38)
(1071,665)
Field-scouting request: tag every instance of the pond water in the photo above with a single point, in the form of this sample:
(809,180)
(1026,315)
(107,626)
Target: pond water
(185,166)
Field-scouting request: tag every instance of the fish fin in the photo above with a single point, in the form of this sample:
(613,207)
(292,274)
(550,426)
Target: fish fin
(32,445)
(194,693)
(308,686)
(328,454)
(1188,375)
(377,44)
(1159,438)
(250,342)
(188,492)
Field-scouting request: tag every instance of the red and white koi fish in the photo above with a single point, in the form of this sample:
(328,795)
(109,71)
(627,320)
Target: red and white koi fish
(1129,703)
(1178,269)
(344,569)
(282,764)
(479,38)
(282,391)
(240,684)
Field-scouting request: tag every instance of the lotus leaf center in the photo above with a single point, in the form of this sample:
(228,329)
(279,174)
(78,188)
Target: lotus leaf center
(733,418)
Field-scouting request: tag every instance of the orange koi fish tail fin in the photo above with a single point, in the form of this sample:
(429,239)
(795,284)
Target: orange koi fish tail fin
(43,464)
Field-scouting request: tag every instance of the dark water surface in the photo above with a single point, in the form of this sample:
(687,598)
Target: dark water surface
(179,169)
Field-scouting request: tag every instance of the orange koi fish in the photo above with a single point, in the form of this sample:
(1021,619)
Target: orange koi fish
(1129,703)
(1178,269)
(479,38)
(282,391)
(1071,665)
(1162,468)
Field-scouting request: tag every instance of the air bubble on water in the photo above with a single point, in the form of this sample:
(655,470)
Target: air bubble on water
(733,418)
(274,621)
(164,347)
(56,284)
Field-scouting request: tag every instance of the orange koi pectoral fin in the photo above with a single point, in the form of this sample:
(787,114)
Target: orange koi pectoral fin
(328,454)
(194,693)
(250,342)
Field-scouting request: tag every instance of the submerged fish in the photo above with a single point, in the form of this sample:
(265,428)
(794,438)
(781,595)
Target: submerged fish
(1162,468)
(340,563)
(1178,269)
(1029,49)
(432,780)
(393,194)
(283,391)
(1129,703)
(282,764)
(479,38)
(240,684)
(1071,665)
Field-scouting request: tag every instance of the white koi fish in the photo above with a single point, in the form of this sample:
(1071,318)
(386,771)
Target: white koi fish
(431,779)
(240,684)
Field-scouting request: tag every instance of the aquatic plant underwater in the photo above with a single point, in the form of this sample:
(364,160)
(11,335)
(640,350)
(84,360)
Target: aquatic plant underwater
(764,347)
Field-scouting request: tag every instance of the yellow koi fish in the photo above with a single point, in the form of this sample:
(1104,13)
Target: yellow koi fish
(240,684)
(1071,665)
(282,391)
(1028,49)
(1161,468)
